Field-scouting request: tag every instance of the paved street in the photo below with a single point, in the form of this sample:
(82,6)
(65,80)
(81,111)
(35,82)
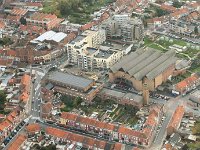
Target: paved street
(36,102)
(169,108)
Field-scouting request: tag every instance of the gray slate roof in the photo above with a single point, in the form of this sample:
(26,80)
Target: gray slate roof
(69,79)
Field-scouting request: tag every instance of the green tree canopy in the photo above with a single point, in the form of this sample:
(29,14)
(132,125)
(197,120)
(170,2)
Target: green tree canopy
(2,101)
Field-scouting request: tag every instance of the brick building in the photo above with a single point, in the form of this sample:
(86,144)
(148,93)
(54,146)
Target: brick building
(144,66)
(47,21)
(114,132)
(176,120)
(187,84)
(74,86)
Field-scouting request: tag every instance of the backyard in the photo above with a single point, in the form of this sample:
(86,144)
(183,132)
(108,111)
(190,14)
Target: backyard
(163,44)
(105,110)
(195,131)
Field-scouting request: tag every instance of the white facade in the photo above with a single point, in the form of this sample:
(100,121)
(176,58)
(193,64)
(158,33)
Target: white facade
(80,43)
(121,18)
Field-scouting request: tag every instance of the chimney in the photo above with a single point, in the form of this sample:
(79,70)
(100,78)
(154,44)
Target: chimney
(145,94)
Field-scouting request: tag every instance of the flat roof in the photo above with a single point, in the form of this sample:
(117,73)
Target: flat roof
(104,54)
(195,97)
(77,39)
(51,35)
(69,79)
(118,94)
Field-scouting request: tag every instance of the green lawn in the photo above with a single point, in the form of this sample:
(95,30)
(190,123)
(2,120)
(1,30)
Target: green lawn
(194,146)
(157,47)
(147,41)
(153,44)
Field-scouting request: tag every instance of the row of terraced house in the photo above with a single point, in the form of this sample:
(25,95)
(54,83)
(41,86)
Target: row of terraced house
(114,132)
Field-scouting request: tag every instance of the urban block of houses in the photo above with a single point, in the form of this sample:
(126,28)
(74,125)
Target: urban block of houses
(73,140)
(10,121)
(18,143)
(114,132)
(27,29)
(175,120)
(47,21)
(18,12)
(25,88)
(187,84)
(168,8)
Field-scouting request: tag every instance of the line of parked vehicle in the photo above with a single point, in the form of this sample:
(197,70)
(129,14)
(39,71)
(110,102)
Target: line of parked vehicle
(13,133)
(159,96)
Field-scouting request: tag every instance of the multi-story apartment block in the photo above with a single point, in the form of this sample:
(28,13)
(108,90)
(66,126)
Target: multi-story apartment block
(126,29)
(48,21)
(104,57)
(82,42)
(120,19)
(180,27)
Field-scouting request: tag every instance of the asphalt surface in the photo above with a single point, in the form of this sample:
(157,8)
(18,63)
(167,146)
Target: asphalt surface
(169,109)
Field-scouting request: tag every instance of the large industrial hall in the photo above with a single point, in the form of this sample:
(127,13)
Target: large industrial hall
(144,66)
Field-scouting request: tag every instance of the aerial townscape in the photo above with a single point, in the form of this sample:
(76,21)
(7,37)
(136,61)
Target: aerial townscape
(99,75)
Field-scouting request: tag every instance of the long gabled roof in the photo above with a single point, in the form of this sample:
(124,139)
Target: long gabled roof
(148,62)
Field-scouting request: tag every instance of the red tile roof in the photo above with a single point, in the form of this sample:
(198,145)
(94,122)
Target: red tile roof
(19,11)
(179,12)
(11,116)
(168,8)
(187,82)
(47,107)
(69,116)
(4,124)
(127,131)
(8,52)
(88,26)
(5,62)
(2,25)
(177,117)
(56,132)
(13,18)
(118,146)
(75,137)
(16,144)
(34,4)
(100,144)
(33,128)
(42,16)
(100,124)
(25,80)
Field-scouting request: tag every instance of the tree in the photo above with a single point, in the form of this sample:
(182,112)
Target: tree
(77,101)
(2,101)
(177,4)
(22,20)
(160,12)
(196,31)
(50,147)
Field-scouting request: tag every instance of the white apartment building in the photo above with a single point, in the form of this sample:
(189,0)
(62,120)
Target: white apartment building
(80,43)
(121,19)
(103,58)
